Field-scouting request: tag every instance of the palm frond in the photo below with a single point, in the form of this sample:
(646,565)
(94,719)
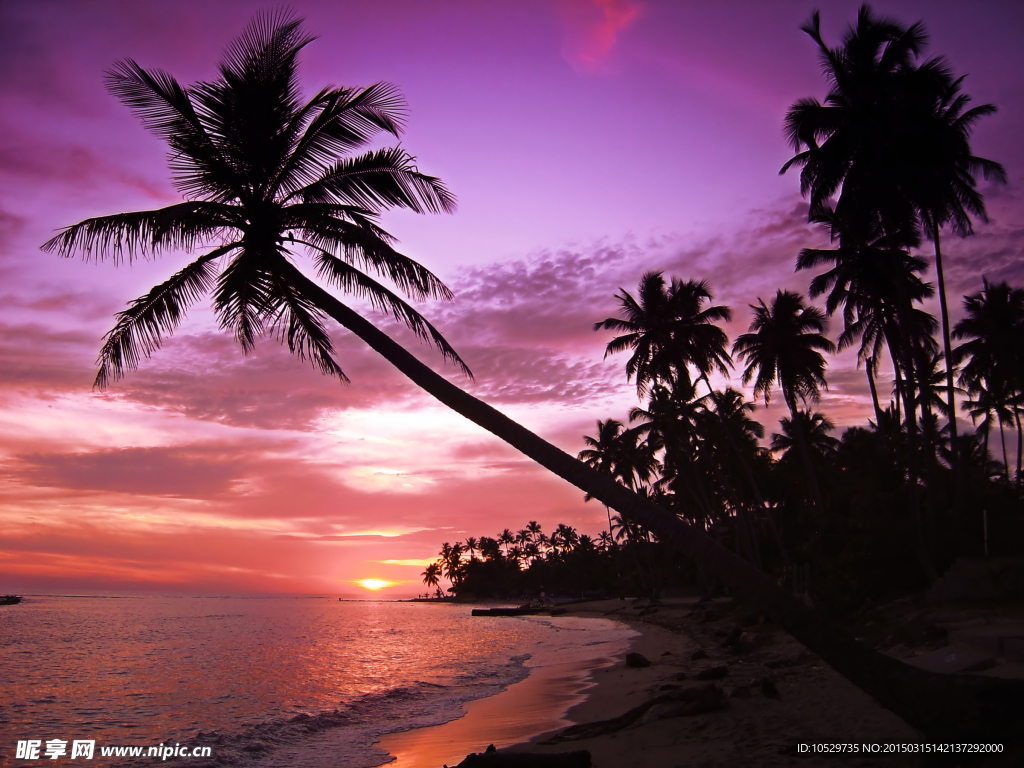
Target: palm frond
(345,119)
(299,323)
(382,179)
(362,245)
(351,280)
(146,233)
(244,299)
(166,109)
(140,329)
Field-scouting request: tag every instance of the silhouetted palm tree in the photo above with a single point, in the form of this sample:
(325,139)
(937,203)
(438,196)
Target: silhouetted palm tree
(616,452)
(783,348)
(878,289)
(506,538)
(668,329)
(992,404)
(815,428)
(893,137)
(263,183)
(943,183)
(993,330)
(432,575)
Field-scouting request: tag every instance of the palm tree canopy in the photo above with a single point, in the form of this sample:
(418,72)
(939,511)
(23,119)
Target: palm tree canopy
(815,428)
(892,135)
(670,327)
(784,346)
(992,328)
(617,452)
(265,175)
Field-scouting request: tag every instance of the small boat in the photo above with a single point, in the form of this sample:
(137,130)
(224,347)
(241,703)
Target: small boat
(10,599)
(522,610)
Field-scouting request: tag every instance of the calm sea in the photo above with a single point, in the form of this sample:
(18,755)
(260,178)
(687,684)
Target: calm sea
(249,676)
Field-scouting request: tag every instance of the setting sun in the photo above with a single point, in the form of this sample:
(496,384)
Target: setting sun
(374,583)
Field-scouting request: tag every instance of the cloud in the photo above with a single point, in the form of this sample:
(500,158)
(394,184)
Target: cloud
(593,28)
(195,472)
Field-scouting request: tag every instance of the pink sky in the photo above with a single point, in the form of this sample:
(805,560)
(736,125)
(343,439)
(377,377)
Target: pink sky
(587,141)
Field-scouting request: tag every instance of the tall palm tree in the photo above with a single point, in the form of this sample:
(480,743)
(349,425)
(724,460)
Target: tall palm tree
(783,348)
(263,183)
(943,183)
(893,136)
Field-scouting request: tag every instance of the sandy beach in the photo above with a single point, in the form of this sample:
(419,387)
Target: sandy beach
(774,695)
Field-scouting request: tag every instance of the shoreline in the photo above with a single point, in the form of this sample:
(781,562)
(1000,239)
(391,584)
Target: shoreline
(535,705)
(806,701)
(766,694)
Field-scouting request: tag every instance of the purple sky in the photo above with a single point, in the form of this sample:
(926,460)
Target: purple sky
(587,142)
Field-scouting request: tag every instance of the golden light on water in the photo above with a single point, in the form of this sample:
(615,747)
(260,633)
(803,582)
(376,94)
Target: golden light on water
(374,583)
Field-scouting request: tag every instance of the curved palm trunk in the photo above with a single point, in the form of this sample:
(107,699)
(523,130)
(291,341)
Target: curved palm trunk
(947,347)
(1002,437)
(940,705)
(874,393)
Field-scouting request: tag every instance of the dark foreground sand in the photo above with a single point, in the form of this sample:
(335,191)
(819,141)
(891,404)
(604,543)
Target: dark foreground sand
(778,695)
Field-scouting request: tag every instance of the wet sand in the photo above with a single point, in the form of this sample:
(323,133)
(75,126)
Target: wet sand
(532,706)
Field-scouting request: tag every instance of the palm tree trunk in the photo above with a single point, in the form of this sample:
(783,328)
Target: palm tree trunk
(1002,438)
(1020,449)
(963,706)
(947,348)
(805,454)
(869,366)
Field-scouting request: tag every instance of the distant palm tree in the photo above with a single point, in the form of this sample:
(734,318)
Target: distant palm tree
(992,404)
(783,348)
(432,576)
(506,538)
(534,529)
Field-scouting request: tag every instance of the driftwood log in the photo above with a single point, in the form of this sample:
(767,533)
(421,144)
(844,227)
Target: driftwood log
(677,703)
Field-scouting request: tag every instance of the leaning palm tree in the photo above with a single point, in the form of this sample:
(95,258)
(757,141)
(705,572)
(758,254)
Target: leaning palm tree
(783,347)
(264,185)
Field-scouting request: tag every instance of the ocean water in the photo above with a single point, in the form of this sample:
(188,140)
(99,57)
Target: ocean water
(258,678)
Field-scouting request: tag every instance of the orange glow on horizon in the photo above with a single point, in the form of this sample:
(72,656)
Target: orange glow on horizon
(374,584)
